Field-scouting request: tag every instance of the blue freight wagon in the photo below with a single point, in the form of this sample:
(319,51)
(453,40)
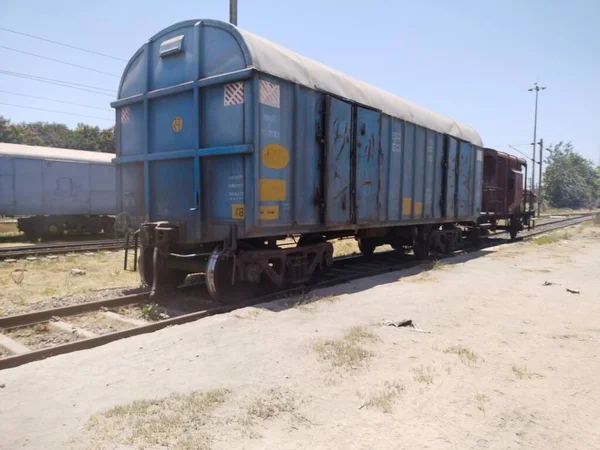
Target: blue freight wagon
(227,142)
(53,190)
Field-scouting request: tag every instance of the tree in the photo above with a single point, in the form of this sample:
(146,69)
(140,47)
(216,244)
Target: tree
(598,186)
(83,137)
(570,181)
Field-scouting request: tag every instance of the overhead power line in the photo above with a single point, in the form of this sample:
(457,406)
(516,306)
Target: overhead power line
(515,148)
(9,72)
(57,101)
(59,61)
(63,44)
(57,112)
(66,84)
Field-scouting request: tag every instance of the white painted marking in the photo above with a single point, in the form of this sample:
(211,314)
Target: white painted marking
(234,94)
(125,114)
(269,93)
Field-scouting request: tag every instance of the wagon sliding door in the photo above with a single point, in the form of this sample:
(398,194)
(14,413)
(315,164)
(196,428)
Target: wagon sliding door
(450,176)
(337,180)
(459,200)
(367,161)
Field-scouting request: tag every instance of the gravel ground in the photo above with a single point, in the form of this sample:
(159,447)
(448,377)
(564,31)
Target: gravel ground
(508,359)
(45,283)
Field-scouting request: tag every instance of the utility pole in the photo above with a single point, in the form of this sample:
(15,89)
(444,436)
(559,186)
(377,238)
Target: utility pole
(233,12)
(539,202)
(537,89)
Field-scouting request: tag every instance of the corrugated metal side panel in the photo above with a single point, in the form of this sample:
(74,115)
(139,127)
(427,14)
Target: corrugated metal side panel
(395,150)
(29,183)
(367,165)
(385,168)
(466,173)
(337,163)
(172,124)
(172,190)
(224,178)
(275,181)
(408,170)
(478,183)
(103,198)
(306,157)
(7,186)
(419,174)
(428,208)
(438,190)
(65,188)
(131,190)
(451,175)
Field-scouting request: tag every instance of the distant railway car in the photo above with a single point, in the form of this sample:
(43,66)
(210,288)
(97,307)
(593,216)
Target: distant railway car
(505,205)
(53,190)
(227,142)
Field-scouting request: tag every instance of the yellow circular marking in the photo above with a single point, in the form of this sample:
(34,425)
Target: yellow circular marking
(177,124)
(275,156)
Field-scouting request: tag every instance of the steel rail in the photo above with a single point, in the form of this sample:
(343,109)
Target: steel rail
(54,249)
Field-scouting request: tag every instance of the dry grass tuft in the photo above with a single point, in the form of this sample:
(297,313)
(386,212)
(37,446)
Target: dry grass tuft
(553,237)
(521,372)
(481,400)
(466,356)
(348,352)
(178,422)
(436,265)
(272,403)
(304,301)
(570,336)
(424,374)
(385,399)
(537,270)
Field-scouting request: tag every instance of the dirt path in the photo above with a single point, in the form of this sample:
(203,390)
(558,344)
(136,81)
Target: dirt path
(508,363)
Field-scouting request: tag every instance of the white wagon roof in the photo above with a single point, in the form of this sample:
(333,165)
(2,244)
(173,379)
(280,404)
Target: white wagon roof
(56,154)
(279,61)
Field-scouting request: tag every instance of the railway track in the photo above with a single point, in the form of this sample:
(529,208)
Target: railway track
(59,248)
(344,269)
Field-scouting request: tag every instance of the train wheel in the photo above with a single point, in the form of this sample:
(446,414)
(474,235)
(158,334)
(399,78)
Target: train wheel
(421,247)
(448,245)
(54,229)
(145,266)
(515,227)
(219,279)
(366,247)
(168,279)
(475,236)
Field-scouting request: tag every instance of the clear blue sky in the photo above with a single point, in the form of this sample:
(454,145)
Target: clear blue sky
(470,60)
